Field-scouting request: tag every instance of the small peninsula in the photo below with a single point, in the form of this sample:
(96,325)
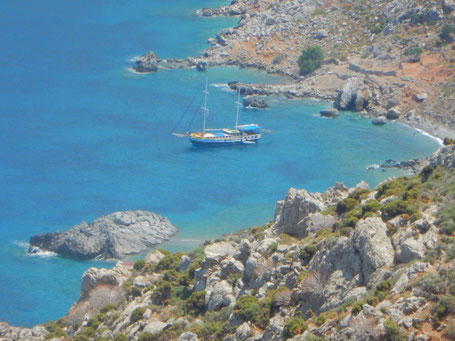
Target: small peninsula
(116,235)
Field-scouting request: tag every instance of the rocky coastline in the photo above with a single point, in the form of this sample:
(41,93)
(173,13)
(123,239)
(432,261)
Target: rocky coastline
(114,236)
(379,56)
(347,264)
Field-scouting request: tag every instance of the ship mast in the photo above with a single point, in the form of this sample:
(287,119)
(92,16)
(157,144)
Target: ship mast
(238,107)
(205,111)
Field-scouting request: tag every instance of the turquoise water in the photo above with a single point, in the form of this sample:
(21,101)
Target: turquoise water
(82,136)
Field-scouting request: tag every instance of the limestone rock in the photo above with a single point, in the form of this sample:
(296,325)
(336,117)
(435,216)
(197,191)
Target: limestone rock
(374,246)
(353,96)
(154,257)
(113,236)
(184,263)
(188,336)
(298,204)
(444,156)
(154,327)
(218,294)
(217,251)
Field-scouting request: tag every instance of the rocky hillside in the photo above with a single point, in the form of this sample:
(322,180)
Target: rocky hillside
(346,264)
(380,55)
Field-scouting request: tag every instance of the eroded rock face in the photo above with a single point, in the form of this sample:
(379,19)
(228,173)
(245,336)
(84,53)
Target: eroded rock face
(373,245)
(444,157)
(353,96)
(113,236)
(257,102)
(297,205)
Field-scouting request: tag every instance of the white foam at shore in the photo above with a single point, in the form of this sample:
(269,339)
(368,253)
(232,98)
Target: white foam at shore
(38,253)
(423,132)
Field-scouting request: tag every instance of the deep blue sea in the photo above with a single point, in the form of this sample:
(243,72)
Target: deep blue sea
(81,136)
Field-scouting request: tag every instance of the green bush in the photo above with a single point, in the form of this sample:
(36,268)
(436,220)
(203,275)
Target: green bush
(430,283)
(393,332)
(139,264)
(294,326)
(370,206)
(55,329)
(444,307)
(310,59)
(307,252)
(195,304)
(359,193)
(146,337)
(121,337)
(426,173)
(346,205)
(446,33)
(136,291)
(356,308)
(107,308)
(273,247)
(248,308)
(213,330)
(162,292)
(413,51)
(448,141)
(137,314)
(395,208)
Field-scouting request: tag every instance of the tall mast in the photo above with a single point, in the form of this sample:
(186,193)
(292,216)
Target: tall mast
(205,111)
(238,107)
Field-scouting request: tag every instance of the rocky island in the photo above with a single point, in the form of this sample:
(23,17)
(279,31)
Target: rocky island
(116,235)
(347,264)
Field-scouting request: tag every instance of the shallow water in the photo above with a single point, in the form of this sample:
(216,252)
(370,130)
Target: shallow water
(81,136)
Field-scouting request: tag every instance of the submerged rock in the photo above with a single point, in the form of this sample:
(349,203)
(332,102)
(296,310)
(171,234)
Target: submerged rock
(113,236)
(329,113)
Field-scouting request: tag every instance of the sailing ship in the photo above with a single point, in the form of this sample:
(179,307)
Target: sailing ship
(240,134)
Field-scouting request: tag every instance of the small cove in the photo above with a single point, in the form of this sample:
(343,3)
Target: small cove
(81,137)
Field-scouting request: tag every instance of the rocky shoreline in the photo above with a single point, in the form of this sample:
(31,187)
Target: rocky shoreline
(347,264)
(365,61)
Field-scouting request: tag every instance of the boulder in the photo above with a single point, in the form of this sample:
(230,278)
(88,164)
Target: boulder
(375,248)
(154,257)
(329,113)
(419,98)
(270,21)
(321,34)
(219,294)
(257,102)
(184,263)
(380,121)
(94,277)
(188,336)
(154,327)
(116,235)
(448,6)
(393,114)
(411,248)
(215,252)
(297,205)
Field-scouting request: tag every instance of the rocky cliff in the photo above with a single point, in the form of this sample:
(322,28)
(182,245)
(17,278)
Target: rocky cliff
(346,264)
(113,236)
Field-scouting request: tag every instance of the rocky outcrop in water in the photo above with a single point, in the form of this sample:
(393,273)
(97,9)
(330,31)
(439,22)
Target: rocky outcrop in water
(147,63)
(255,102)
(113,236)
